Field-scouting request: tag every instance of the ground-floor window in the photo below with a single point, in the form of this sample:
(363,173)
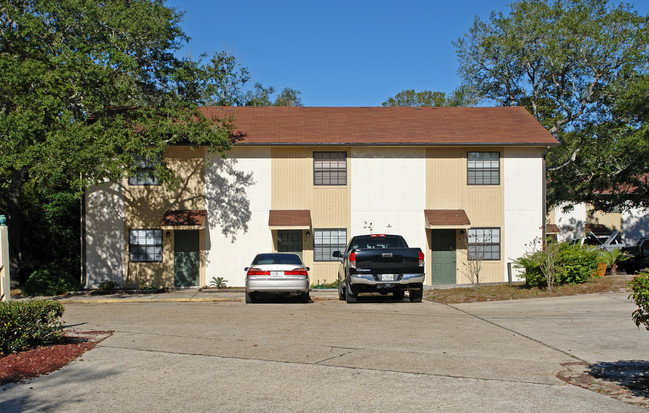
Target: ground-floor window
(484,244)
(145,245)
(326,241)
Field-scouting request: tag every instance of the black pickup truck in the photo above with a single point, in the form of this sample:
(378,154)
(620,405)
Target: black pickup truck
(638,257)
(380,263)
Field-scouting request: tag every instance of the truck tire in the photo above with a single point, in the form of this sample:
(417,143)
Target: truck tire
(398,294)
(341,291)
(417,294)
(351,296)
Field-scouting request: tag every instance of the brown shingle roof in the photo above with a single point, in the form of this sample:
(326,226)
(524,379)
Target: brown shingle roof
(289,218)
(445,217)
(272,125)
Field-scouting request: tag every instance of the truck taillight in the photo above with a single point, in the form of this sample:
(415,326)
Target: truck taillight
(297,271)
(421,259)
(257,271)
(352,259)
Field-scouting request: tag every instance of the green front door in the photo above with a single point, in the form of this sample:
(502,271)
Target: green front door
(290,241)
(186,258)
(443,256)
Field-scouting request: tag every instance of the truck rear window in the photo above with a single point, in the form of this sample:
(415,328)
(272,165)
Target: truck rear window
(379,243)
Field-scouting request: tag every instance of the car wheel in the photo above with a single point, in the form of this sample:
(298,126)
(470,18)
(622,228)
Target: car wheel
(351,295)
(341,291)
(416,295)
(398,294)
(250,298)
(306,298)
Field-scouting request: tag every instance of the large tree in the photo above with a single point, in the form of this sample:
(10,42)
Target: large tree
(87,90)
(223,81)
(580,67)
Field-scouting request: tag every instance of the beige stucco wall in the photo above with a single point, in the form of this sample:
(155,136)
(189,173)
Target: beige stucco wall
(145,205)
(293,188)
(447,188)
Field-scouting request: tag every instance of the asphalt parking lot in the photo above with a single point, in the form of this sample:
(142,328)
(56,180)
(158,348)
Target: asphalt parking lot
(378,355)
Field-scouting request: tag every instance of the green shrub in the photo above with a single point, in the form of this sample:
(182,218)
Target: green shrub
(531,263)
(575,264)
(640,294)
(49,281)
(107,285)
(25,324)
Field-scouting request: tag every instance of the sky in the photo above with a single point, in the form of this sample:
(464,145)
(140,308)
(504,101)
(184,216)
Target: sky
(340,53)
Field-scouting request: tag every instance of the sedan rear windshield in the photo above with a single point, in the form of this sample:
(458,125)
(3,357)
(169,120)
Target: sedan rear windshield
(291,259)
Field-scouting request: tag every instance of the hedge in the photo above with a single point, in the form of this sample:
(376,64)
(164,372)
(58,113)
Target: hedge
(26,324)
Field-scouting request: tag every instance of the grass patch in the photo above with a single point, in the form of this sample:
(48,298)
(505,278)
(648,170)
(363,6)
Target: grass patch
(499,292)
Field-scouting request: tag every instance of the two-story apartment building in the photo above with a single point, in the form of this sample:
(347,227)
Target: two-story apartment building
(460,183)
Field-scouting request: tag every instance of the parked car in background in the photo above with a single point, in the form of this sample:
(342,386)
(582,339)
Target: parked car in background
(638,257)
(608,242)
(380,263)
(277,273)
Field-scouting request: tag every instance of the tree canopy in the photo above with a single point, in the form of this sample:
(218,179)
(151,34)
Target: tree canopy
(90,89)
(459,97)
(581,68)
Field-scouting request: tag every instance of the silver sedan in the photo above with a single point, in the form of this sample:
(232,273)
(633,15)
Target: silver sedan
(277,273)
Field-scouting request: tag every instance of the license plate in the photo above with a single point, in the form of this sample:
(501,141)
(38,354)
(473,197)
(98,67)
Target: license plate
(387,277)
(277,273)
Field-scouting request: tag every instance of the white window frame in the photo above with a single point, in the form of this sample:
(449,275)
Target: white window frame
(326,241)
(145,245)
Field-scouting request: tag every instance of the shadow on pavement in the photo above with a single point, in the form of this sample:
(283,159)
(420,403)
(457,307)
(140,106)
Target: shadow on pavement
(632,374)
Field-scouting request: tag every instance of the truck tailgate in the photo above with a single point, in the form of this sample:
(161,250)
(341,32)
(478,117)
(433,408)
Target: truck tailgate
(385,261)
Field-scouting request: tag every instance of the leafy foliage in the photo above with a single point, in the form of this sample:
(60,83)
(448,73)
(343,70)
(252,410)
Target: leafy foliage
(640,294)
(49,281)
(87,91)
(573,264)
(460,97)
(581,67)
(25,324)
(218,282)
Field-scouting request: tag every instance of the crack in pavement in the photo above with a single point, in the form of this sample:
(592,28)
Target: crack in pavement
(299,363)
(516,332)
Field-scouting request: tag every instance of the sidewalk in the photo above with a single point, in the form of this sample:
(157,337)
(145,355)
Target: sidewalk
(176,295)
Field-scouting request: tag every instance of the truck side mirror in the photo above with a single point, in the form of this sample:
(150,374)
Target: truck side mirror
(337,254)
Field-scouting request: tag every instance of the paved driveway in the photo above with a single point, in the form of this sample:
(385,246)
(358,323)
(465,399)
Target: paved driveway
(378,355)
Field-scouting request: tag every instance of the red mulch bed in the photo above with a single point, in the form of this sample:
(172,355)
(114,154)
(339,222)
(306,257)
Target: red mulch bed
(43,360)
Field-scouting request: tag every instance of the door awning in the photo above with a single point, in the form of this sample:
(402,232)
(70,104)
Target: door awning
(289,219)
(446,218)
(552,229)
(184,219)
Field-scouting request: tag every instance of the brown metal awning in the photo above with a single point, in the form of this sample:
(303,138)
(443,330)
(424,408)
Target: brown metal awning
(184,219)
(446,218)
(289,219)
(552,229)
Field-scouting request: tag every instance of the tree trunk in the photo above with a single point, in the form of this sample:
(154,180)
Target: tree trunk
(15,220)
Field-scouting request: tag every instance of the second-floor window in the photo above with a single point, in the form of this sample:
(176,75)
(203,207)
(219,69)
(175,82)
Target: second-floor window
(144,174)
(483,168)
(330,168)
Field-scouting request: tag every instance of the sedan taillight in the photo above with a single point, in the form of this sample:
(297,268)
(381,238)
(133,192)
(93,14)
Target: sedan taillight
(257,271)
(297,271)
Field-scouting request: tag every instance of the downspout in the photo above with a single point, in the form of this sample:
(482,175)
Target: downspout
(545,203)
(82,235)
